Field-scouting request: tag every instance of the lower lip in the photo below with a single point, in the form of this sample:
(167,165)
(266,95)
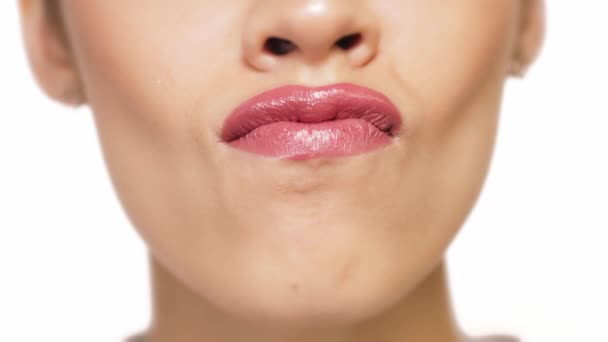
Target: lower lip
(298,141)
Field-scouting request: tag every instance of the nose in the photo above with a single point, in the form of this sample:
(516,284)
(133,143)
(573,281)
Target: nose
(309,31)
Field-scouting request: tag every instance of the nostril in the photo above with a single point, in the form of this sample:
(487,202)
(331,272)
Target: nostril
(349,41)
(278,46)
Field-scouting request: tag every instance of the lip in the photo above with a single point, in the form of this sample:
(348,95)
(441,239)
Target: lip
(299,122)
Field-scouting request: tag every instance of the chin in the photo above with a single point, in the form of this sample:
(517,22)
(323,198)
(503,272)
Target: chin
(302,274)
(306,300)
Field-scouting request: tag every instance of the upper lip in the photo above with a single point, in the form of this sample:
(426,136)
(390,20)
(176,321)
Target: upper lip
(311,105)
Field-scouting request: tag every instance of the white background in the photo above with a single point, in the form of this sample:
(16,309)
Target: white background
(531,260)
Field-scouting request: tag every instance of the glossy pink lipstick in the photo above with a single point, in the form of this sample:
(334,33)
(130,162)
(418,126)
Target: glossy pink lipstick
(298,122)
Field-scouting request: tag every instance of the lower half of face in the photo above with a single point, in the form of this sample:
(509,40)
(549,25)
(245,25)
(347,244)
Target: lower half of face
(343,237)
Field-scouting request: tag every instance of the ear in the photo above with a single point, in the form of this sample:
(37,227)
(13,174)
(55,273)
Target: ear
(49,53)
(529,37)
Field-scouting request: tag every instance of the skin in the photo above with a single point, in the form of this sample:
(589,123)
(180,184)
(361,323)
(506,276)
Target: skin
(245,248)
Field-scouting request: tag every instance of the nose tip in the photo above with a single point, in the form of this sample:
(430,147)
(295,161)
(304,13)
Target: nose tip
(310,31)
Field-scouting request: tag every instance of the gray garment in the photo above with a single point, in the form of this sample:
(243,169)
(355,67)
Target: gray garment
(136,338)
(496,338)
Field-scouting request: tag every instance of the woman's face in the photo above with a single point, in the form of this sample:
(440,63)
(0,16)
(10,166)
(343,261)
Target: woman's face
(281,239)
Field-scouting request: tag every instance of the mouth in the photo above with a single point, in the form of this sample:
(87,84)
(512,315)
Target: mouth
(298,122)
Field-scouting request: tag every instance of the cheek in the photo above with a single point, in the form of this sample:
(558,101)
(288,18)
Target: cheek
(148,76)
(147,82)
(447,63)
(157,66)
(453,72)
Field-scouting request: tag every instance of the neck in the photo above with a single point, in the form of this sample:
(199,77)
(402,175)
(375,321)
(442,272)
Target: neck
(180,315)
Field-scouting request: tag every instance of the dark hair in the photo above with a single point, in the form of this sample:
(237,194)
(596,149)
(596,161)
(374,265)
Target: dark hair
(52,10)
(54,13)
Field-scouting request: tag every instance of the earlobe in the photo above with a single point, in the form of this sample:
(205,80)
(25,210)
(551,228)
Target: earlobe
(530,37)
(49,54)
